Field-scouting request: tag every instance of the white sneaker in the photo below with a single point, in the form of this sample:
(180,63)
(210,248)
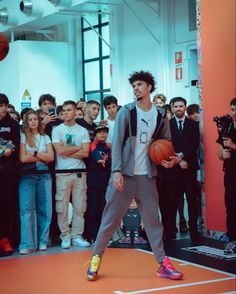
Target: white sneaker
(66,243)
(43,247)
(79,241)
(26,251)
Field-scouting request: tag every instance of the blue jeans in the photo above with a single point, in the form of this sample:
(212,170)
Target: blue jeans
(35,198)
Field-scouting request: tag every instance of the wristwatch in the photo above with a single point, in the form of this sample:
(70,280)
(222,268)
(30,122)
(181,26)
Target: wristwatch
(35,153)
(180,155)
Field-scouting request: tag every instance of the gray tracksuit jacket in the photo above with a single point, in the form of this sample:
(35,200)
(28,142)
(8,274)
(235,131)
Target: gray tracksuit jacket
(124,138)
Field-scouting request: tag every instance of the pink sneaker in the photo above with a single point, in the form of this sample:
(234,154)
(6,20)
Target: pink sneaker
(167,270)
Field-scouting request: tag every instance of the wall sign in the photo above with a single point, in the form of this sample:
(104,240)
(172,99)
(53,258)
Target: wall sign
(178,57)
(26,100)
(178,73)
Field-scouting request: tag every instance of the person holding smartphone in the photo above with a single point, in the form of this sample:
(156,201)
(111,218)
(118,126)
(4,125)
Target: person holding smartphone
(47,105)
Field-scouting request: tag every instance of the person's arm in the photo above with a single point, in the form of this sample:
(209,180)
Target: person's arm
(82,153)
(117,143)
(165,133)
(223,153)
(63,150)
(26,157)
(48,118)
(59,145)
(227,142)
(47,156)
(118,138)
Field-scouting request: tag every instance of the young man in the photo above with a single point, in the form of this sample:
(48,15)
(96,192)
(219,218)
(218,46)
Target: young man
(227,153)
(193,112)
(111,105)
(133,174)
(46,102)
(182,178)
(91,113)
(71,143)
(9,131)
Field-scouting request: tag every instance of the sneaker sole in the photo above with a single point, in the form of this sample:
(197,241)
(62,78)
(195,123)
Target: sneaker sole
(172,277)
(81,245)
(91,279)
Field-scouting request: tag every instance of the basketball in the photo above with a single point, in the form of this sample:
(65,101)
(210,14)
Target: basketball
(4,47)
(160,150)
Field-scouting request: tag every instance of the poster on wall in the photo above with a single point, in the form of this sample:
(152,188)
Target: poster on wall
(26,100)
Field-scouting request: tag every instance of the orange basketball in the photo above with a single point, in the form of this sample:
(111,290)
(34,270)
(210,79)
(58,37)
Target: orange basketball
(4,47)
(161,150)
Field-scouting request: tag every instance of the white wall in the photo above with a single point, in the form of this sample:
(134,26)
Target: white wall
(39,67)
(135,48)
(56,67)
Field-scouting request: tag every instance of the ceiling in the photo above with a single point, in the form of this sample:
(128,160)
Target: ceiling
(51,15)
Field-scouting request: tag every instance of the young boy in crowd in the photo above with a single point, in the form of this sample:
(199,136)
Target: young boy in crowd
(97,180)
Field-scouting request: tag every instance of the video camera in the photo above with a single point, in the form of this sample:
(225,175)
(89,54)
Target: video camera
(223,124)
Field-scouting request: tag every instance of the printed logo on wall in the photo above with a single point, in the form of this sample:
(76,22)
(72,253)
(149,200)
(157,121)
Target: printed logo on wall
(26,100)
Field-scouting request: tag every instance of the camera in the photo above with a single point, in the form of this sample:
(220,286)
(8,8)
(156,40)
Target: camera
(223,124)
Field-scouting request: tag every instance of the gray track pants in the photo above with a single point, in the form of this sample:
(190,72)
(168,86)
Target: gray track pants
(143,189)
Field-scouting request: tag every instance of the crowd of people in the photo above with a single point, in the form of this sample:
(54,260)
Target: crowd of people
(56,155)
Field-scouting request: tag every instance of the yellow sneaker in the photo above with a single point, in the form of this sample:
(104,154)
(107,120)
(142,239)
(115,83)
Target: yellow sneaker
(93,268)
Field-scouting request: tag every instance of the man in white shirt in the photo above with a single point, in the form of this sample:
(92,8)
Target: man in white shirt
(71,143)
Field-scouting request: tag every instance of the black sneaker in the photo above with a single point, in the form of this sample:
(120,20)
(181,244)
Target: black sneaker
(230,248)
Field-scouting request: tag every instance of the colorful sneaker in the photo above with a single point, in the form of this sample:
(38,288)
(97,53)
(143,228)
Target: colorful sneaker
(167,270)
(92,272)
(5,246)
(230,248)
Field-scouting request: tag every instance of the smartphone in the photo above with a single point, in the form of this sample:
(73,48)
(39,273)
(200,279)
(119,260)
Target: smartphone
(52,111)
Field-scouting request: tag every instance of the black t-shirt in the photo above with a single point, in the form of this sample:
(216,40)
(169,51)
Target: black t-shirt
(89,127)
(229,164)
(10,130)
(49,127)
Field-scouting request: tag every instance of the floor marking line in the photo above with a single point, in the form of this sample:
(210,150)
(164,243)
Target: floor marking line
(175,286)
(195,264)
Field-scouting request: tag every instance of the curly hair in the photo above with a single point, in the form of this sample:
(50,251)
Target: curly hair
(144,76)
(30,139)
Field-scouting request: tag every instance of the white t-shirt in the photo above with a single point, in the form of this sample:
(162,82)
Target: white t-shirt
(146,124)
(71,136)
(41,142)
(110,125)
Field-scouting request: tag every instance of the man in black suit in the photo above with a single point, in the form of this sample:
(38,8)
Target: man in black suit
(182,177)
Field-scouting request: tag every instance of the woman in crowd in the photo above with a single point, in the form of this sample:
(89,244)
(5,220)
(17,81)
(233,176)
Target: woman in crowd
(35,190)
